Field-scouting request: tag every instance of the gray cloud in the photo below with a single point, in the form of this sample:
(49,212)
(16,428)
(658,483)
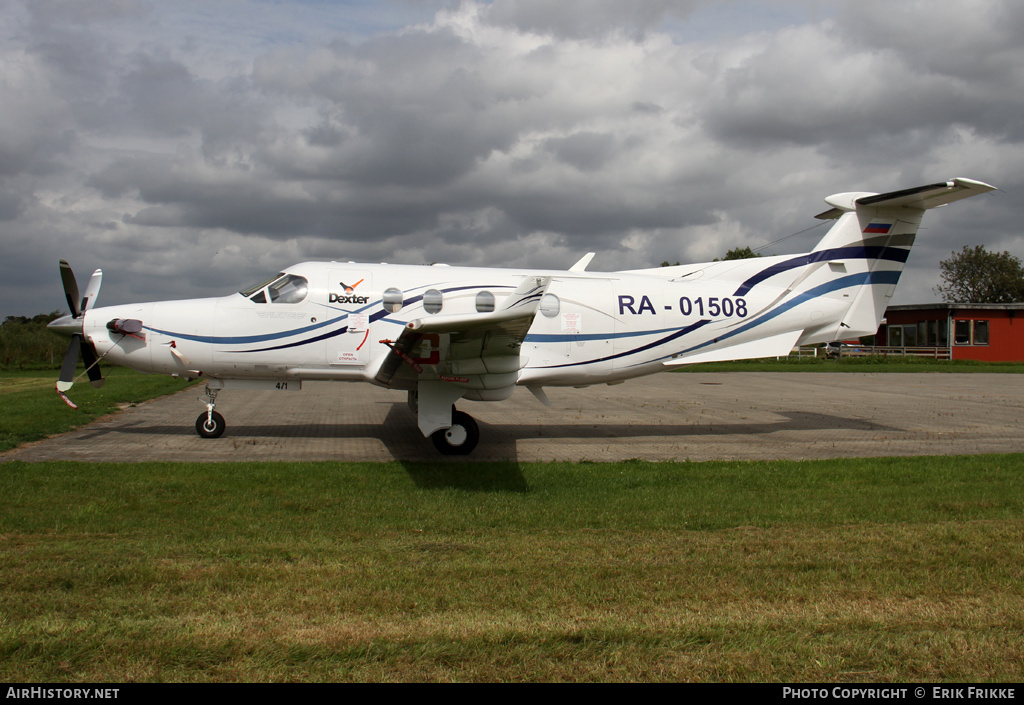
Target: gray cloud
(586,18)
(511,133)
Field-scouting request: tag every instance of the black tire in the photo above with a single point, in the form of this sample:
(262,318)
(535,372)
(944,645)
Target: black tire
(460,439)
(212,428)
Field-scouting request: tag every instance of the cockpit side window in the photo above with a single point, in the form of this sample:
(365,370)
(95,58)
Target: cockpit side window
(280,289)
(290,289)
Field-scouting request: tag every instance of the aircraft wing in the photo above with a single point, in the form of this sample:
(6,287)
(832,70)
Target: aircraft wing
(476,350)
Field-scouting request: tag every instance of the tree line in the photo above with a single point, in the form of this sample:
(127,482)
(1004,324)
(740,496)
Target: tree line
(26,343)
(976,275)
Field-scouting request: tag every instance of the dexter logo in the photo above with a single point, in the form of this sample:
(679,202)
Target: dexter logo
(342,299)
(348,297)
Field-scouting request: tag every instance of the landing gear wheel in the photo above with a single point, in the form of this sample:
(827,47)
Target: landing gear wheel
(460,439)
(212,427)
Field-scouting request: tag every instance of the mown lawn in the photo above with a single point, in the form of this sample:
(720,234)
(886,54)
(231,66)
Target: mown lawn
(31,410)
(854,570)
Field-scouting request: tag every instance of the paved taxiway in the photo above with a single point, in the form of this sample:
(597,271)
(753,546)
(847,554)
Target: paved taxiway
(695,416)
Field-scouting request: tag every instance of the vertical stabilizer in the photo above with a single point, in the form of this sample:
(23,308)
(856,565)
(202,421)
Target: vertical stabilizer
(870,243)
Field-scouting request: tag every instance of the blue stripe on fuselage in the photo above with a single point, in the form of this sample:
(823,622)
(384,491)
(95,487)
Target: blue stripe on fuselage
(668,338)
(893,254)
(243,339)
(266,337)
(887,277)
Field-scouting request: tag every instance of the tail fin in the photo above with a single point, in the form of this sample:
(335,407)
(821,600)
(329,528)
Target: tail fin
(872,239)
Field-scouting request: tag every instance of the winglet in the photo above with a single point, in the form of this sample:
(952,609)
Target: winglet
(527,295)
(582,264)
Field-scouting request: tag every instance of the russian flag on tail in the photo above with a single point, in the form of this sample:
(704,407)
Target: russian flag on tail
(880,228)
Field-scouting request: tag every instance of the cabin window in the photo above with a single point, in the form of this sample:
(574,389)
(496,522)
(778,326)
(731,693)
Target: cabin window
(484,302)
(550,305)
(393,300)
(433,301)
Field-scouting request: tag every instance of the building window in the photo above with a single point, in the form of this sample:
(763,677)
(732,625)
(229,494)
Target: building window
(971,332)
(962,332)
(925,334)
(981,332)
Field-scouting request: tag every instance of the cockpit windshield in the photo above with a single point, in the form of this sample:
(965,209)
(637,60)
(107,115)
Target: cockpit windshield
(279,289)
(249,291)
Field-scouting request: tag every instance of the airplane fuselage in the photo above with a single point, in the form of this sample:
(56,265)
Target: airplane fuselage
(590,327)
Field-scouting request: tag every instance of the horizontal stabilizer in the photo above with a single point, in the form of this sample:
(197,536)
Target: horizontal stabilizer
(921,197)
(775,346)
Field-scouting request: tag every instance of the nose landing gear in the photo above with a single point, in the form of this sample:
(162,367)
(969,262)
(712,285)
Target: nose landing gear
(210,424)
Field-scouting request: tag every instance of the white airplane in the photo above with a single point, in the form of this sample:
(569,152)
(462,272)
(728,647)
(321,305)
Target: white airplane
(448,333)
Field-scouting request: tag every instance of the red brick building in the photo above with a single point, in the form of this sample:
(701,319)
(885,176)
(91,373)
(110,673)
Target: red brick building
(989,332)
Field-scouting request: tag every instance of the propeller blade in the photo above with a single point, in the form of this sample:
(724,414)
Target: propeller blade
(91,368)
(92,290)
(67,277)
(67,368)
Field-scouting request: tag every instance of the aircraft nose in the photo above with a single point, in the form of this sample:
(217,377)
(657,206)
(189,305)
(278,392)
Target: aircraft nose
(67,325)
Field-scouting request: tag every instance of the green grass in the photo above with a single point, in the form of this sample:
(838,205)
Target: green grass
(852,570)
(843,570)
(874,363)
(31,410)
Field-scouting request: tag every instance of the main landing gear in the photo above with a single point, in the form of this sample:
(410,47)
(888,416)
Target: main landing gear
(460,438)
(210,424)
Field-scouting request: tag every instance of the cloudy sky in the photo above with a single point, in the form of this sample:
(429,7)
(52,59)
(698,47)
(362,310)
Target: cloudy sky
(189,147)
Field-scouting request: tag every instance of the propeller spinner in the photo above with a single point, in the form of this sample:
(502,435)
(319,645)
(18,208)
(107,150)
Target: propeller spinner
(74,325)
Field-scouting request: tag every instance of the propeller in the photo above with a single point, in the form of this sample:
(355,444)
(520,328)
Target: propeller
(74,325)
